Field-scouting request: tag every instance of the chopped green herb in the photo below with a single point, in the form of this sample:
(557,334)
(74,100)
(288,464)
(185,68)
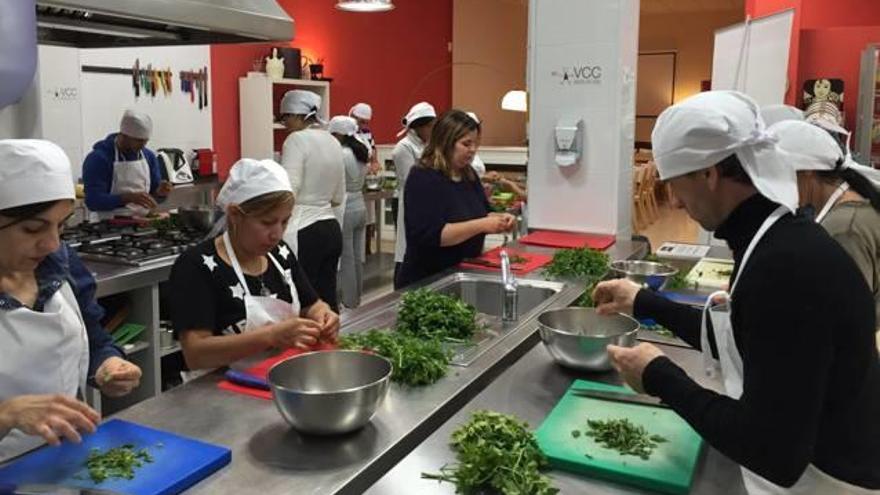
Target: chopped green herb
(584,263)
(116,463)
(416,361)
(575,433)
(427,314)
(624,436)
(496,453)
(659,330)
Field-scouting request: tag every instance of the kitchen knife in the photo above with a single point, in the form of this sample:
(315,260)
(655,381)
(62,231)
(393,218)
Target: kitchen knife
(641,399)
(246,380)
(482,262)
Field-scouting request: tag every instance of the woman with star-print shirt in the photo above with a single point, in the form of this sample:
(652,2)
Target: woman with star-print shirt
(243,292)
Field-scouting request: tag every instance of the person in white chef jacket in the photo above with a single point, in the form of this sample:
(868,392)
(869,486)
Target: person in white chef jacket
(792,341)
(51,341)
(121,175)
(313,159)
(417,125)
(363,114)
(356,154)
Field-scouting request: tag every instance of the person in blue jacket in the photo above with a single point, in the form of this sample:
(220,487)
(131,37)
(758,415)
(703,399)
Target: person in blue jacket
(121,176)
(52,342)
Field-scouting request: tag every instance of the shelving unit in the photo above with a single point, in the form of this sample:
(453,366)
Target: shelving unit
(867,145)
(259,98)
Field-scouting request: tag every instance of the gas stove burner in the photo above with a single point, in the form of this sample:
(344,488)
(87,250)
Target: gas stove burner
(126,244)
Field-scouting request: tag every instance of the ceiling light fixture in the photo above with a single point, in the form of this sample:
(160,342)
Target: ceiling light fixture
(365,5)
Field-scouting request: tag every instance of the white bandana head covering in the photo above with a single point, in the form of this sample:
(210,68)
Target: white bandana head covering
(248,178)
(361,111)
(418,111)
(33,171)
(706,128)
(343,125)
(301,102)
(136,124)
(779,112)
(808,147)
(473,116)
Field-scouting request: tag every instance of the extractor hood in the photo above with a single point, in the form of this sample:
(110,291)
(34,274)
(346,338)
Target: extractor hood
(114,23)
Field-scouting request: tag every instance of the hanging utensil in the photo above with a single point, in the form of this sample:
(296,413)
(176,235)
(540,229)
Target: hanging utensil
(135,77)
(206,86)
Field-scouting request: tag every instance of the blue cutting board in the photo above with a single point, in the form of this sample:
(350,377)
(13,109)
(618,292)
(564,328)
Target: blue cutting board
(178,462)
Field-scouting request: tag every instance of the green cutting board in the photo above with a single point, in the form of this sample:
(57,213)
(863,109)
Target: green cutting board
(670,469)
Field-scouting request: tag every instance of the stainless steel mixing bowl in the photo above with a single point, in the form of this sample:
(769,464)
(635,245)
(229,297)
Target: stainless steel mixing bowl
(577,337)
(329,392)
(645,273)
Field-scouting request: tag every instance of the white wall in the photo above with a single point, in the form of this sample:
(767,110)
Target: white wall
(60,101)
(177,122)
(565,36)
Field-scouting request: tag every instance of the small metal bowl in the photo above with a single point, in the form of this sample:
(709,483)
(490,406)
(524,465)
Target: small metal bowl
(578,337)
(645,273)
(329,392)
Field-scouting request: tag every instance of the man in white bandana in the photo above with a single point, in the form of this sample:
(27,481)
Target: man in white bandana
(793,341)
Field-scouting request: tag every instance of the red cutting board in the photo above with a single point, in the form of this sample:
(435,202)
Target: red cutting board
(532,263)
(553,238)
(261,369)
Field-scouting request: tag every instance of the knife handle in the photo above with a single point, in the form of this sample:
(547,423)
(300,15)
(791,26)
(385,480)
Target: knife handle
(246,379)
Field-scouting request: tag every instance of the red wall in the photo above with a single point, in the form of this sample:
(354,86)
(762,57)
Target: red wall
(840,13)
(390,60)
(836,53)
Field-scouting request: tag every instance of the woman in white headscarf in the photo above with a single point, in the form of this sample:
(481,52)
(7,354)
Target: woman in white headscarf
(843,194)
(244,292)
(355,155)
(51,339)
(363,114)
(793,340)
(313,160)
(416,132)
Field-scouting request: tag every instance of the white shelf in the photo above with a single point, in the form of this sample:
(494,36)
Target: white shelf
(278,127)
(302,82)
(135,347)
(170,350)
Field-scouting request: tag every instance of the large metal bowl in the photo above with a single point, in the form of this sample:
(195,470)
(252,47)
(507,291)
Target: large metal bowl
(645,273)
(577,337)
(329,392)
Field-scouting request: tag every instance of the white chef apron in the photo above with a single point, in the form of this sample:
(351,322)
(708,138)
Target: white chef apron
(43,353)
(128,176)
(729,364)
(843,188)
(416,147)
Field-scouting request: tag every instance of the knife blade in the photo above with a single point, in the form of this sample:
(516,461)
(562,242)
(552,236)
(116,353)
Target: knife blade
(641,399)
(482,262)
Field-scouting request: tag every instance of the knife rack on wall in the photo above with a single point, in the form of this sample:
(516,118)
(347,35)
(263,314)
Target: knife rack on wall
(151,81)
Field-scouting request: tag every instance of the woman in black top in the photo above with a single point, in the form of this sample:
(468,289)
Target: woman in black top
(243,292)
(446,214)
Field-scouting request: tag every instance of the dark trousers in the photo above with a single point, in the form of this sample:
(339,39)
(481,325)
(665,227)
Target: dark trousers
(320,246)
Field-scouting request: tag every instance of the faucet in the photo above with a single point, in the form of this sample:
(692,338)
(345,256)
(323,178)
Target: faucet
(509,296)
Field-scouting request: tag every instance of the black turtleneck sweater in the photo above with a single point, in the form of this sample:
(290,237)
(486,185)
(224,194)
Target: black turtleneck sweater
(803,321)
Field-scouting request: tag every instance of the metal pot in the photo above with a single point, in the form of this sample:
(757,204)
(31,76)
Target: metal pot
(197,217)
(329,392)
(577,337)
(645,273)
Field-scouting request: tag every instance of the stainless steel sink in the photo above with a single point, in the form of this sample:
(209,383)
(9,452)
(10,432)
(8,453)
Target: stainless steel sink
(485,293)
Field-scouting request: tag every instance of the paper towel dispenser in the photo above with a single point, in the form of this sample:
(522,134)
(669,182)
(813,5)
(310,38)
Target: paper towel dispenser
(569,140)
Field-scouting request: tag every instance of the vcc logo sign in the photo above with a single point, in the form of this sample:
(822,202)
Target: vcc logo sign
(579,74)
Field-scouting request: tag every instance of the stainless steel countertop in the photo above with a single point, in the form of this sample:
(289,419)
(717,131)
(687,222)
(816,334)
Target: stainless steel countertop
(268,457)
(113,279)
(529,389)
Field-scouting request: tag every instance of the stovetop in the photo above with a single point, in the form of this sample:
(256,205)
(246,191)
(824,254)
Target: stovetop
(133,245)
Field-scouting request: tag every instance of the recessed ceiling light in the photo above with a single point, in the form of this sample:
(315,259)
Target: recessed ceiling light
(365,5)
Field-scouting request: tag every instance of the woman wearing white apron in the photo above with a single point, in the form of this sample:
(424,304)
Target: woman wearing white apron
(792,344)
(120,175)
(355,156)
(416,132)
(313,161)
(243,292)
(51,340)
(844,194)
(363,114)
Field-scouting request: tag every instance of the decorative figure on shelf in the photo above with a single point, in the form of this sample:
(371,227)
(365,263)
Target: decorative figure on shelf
(275,65)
